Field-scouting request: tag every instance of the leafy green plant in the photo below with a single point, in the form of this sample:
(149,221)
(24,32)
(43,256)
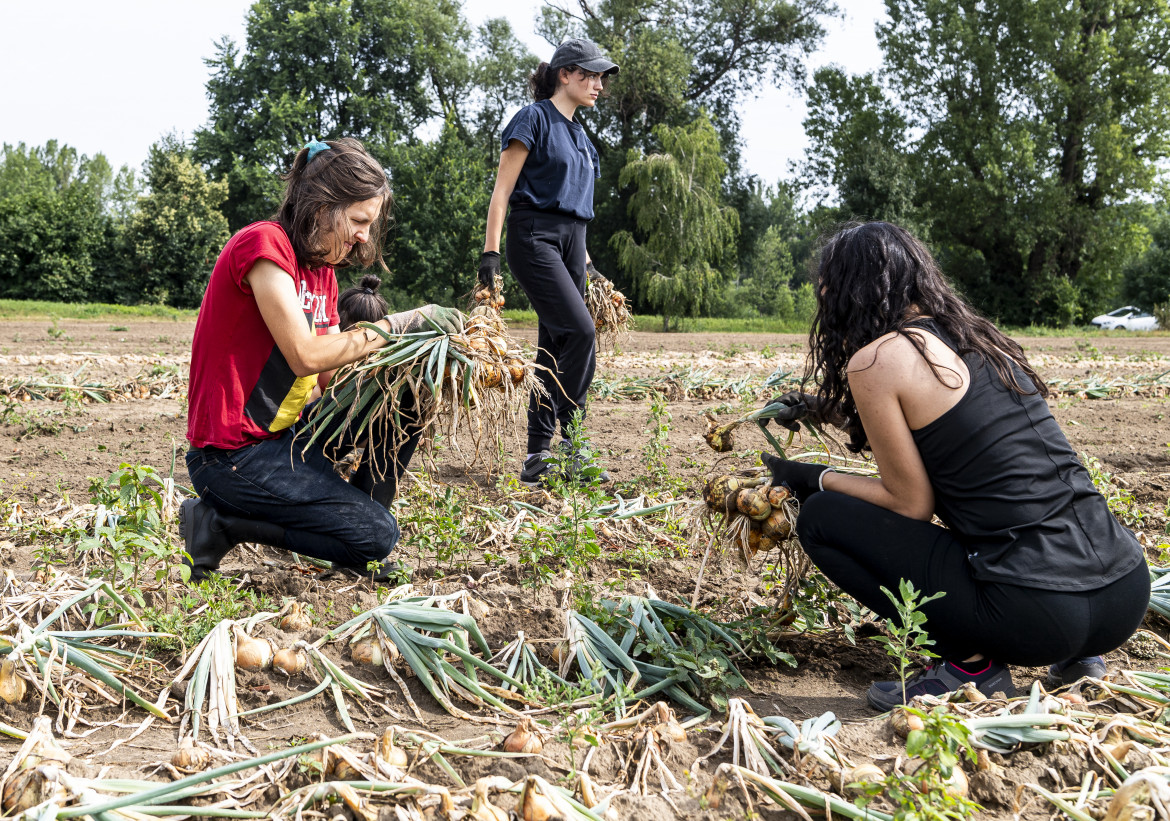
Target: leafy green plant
(922,794)
(908,637)
(1121,501)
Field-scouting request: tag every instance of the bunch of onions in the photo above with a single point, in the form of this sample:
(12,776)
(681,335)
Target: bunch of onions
(492,297)
(760,515)
(610,311)
(432,380)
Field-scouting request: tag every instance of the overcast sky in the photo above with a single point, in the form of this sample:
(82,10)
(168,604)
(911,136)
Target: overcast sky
(112,76)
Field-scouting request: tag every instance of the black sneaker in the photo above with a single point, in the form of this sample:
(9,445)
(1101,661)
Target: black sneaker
(389,570)
(937,680)
(1070,671)
(537,469)
(205,538)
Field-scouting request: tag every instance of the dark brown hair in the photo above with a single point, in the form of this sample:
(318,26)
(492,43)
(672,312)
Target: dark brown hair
(544,81)
(361,303)
(316,195)
(875,278)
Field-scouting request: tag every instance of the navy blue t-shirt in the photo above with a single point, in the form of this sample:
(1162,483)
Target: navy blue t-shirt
(558,174)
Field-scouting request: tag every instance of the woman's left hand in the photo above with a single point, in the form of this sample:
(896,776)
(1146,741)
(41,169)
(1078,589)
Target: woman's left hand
(802,478)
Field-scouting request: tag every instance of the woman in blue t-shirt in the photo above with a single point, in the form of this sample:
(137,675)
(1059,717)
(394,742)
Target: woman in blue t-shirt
(545,185)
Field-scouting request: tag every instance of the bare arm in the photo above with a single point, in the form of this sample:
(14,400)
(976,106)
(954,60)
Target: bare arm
(306,352)
(881,376)
(511,161)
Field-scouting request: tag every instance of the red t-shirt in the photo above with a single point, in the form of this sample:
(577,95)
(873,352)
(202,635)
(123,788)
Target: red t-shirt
(241,387)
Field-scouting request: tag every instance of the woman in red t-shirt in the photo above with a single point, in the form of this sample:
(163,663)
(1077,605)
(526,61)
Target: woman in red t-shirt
(267,336)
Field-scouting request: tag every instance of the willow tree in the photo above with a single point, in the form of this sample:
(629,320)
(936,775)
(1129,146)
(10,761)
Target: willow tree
(682,231)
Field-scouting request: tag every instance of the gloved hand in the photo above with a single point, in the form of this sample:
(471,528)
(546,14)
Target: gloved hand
(802,478)
(592,273)
(489,268)
(793,406)
(409,322)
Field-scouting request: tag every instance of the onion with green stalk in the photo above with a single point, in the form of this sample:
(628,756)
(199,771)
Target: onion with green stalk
(431,380)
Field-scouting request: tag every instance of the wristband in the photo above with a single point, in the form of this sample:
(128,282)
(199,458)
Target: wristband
(821,478)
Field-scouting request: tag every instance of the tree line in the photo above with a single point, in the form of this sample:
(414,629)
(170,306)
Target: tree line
(1024,140)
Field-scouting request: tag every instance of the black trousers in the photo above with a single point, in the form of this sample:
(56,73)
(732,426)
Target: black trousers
(863,547)
(546,254)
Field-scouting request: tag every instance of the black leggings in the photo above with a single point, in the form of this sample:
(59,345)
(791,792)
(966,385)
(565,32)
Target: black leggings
(862,547)
(546,254)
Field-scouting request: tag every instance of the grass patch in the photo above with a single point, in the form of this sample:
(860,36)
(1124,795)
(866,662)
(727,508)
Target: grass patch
(653,324)
(39,309)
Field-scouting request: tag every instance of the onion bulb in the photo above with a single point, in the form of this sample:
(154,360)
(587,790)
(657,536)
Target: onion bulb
(534,806)
(297,620)
(253,654)
(777,495)
(29,788)
(560,652)
(524,739)
(481,808)
(717,490)
(390,753)
(488,374)
(516,370)
(366,651)
(190,758)
(12,686)
(668,726)
(719,438)
(290,662)
(903,722)
(754,504)
(776,526)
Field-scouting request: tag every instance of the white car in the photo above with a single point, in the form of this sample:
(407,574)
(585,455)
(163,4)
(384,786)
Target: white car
(1128,318)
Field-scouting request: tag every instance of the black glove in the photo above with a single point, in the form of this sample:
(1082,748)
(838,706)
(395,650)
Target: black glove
(489,268)
(793,406)
(591,273)
(802,478)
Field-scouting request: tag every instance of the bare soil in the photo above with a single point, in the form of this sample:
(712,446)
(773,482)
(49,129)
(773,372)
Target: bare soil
(51,450)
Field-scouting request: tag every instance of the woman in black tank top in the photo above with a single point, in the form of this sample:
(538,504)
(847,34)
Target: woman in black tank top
(1033,567)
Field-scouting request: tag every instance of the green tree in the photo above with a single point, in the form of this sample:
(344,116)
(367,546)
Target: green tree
(57,234)
(1147,280)
(682,230)
(1033,129)
(174,236)
(376,70)
(441,192)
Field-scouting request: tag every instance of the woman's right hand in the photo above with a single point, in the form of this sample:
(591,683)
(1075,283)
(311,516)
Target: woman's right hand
(489,269)
(792,407)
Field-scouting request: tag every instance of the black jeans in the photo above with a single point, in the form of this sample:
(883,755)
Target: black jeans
(323,515)
(862,547)
(546,254)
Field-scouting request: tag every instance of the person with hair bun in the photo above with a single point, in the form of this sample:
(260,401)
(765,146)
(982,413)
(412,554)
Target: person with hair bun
(545,186)
(361,303)
(1033,567)
(268,337)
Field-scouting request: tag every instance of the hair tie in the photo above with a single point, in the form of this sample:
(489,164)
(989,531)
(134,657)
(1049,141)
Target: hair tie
(369,291)
(315,147)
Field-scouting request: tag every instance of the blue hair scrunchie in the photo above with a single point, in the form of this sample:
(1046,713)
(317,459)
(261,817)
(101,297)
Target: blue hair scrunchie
(315,147)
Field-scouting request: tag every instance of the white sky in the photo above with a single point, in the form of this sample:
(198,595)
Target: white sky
(112,76)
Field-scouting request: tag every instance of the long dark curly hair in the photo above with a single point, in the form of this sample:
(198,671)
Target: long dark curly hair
(875,278)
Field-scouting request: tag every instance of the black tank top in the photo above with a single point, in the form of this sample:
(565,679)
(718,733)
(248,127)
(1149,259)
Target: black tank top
(1008,484)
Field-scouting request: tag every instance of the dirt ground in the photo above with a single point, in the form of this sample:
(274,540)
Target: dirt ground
(51,450)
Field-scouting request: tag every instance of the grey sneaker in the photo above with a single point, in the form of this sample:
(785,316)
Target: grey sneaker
(936,680)
(1073,670)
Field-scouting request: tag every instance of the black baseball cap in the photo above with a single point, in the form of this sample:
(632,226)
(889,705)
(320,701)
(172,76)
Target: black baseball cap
(583,54)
